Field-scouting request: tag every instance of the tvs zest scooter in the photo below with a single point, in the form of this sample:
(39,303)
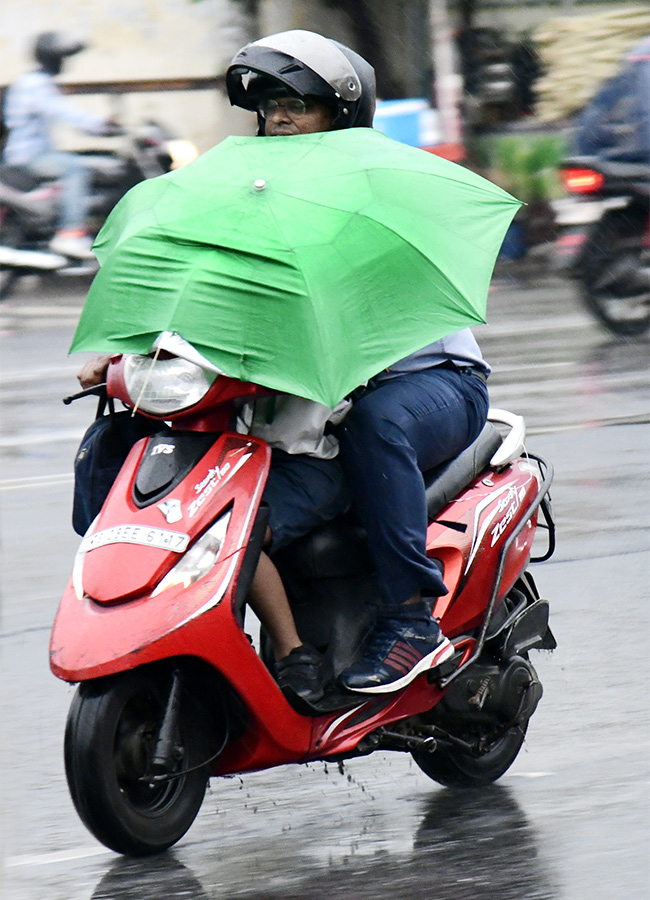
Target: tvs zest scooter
(604,239)
(172,690)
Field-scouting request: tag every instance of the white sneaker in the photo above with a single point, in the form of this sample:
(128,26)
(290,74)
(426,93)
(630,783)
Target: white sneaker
(31,259)
(75,247)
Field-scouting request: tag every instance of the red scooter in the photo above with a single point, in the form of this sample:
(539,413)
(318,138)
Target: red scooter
(172,689)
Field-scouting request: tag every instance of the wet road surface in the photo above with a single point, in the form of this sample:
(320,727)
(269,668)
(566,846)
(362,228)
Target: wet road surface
(570,819)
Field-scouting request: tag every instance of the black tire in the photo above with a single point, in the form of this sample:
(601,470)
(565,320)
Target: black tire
(615,282)
(453,767)
(11,235)
(110,737)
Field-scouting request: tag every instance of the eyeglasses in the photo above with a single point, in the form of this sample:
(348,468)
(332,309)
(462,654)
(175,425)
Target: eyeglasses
(293,106)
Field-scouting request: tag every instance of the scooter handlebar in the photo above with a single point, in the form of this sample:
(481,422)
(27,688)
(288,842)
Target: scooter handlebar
(97,390)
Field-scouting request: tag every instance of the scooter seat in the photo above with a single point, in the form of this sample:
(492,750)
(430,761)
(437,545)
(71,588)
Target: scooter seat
(446,481)
(339,548)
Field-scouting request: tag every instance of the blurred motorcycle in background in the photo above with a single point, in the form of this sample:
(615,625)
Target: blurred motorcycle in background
(29,205)
(604,225)
(604,239)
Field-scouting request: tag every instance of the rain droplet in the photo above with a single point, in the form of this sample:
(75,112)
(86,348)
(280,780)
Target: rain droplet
(259,184)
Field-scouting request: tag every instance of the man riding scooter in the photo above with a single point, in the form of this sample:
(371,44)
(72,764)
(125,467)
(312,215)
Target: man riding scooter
(33,104)
(420,412)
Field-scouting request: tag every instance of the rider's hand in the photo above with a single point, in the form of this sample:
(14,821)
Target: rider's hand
(93,372)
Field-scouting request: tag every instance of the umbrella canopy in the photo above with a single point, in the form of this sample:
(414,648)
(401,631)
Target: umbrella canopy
(305,263)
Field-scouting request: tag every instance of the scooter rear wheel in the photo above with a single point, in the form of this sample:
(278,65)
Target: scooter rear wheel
(111,734)
(454,767)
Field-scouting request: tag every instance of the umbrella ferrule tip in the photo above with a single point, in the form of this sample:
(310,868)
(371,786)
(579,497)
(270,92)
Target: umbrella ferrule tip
(259,184)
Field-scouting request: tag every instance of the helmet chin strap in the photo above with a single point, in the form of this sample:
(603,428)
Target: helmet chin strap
(343,117)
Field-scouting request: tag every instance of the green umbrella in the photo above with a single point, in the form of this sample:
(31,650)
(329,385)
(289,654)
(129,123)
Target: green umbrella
(305,263)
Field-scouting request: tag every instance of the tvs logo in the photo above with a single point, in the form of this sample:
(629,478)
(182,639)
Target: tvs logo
(163,448)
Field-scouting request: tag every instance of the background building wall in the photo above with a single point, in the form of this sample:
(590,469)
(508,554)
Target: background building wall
(162,39)
(138,39)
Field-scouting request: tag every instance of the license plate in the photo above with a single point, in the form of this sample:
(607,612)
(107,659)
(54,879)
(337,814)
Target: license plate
(160,538)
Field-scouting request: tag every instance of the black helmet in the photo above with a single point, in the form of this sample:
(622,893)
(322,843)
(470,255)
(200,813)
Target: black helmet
(304,63)
(51,48)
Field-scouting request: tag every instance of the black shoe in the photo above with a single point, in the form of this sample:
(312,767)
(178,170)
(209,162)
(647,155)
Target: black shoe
(300,677)
(397,651)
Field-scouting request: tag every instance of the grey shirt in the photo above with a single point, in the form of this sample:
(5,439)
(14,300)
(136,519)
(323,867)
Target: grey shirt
(459,348)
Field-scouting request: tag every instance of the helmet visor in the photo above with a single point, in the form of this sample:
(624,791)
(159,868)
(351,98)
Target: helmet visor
(321,55)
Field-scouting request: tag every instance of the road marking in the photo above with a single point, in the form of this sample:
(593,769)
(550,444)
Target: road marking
(56,856)
(530,326)
(19,375)
(28,439)
(529,774)
(559,364)
(37,311)
(19,484)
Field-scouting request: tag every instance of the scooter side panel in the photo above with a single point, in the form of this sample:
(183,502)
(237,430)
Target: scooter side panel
(341,732)
(488,511)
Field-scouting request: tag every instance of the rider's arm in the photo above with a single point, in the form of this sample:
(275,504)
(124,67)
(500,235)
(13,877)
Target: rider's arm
(94,371)
(48,101)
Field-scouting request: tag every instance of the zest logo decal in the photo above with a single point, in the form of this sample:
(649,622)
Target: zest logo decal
(215,478)
(508,499)
(511,503)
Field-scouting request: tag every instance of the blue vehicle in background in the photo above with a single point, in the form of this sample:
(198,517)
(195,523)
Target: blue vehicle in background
(604,239)
(615,124)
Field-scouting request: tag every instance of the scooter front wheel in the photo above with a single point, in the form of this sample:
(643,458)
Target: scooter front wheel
(12,236)
(110,741)
(615,282)
(453,766)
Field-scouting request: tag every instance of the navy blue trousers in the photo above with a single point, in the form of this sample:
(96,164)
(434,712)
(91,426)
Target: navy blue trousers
(394,432)
(302,493)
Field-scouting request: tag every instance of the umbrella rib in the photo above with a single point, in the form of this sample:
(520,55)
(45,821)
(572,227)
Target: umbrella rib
(288,247)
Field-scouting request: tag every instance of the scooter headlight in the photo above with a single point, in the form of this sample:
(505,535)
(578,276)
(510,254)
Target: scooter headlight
(181,153)
(199,559)
(164,386)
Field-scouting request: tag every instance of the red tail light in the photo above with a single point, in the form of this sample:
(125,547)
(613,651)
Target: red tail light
(582,181)
(569,243)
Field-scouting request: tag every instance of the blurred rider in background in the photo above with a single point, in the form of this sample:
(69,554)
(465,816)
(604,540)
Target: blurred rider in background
(33,104)
(615,124)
